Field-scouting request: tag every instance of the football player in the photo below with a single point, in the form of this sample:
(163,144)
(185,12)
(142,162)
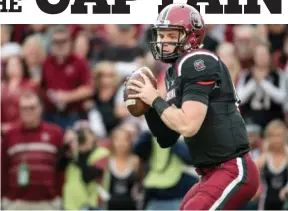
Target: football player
(200,105)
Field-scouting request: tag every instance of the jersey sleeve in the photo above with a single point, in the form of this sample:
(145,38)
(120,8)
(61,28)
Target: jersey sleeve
(200,74)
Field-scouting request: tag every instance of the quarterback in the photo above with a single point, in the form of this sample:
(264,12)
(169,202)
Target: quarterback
(200,105)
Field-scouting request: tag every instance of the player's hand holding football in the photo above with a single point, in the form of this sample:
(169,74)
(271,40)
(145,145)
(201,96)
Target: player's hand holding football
(145,91)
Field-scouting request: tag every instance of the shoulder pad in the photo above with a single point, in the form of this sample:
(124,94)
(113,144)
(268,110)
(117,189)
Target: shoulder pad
(198,63)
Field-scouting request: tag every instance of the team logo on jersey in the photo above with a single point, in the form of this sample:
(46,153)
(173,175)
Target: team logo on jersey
(199,65)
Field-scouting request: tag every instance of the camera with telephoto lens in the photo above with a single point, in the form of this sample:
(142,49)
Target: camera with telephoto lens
(81,136)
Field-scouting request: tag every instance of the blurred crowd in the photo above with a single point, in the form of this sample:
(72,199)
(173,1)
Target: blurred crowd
(69,142)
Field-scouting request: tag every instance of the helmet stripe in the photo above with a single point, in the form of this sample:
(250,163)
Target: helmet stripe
(165,13)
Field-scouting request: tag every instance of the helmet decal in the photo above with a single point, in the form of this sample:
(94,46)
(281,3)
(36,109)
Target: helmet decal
(196,21)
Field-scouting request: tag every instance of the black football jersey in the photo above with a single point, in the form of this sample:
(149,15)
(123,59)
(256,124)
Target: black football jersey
(201,76)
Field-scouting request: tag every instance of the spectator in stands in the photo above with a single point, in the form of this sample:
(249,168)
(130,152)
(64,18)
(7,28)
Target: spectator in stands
(215,34)
(133,129)
(280,57)
(104,99)
(262,90)
(273,164)
(97,38)
(66,80)
(5,34)
(8,48)
(245,40)
(255,141)
(32,29)
(165,181)
(81,45)
(93,30)
(29,178)
(88,44)
(34,54)
(124,51)
(227,52)
(123,172)
(276,34)
(15,81)
(84,163)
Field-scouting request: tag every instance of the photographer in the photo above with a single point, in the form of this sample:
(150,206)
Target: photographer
(84,163)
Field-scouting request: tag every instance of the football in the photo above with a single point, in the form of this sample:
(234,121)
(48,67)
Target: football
(137,107)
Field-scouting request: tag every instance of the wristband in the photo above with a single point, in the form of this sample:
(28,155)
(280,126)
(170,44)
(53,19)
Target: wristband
(160,105)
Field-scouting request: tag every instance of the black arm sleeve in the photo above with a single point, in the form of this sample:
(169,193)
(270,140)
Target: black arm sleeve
(89,173)
(143,146)
(62,159)
(164,135)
